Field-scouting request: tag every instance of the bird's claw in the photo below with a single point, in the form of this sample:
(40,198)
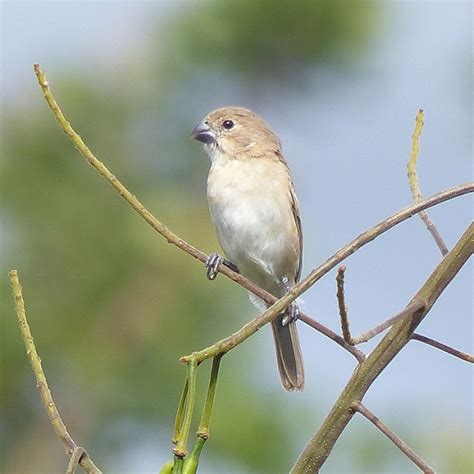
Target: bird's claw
(291,314)
(213,263)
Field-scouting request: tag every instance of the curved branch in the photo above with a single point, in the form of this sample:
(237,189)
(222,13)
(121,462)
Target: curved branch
(78,454)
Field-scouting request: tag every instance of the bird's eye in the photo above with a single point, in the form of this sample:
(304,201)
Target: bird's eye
(227,124)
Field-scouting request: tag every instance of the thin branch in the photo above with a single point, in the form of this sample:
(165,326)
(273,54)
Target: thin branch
(443,347)
(322,442)
(172,238)
(401,445)
(77,453)
(346,333)
(415,186)
(357,353)
(412,308)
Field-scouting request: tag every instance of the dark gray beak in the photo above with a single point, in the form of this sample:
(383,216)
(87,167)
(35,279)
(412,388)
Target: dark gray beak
(202,133)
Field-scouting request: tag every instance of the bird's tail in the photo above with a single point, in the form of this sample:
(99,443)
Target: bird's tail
(288,353)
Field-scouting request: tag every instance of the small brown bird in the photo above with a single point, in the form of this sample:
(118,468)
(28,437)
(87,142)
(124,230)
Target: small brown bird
(255,212)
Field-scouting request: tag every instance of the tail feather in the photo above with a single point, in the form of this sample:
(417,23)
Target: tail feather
(288,352)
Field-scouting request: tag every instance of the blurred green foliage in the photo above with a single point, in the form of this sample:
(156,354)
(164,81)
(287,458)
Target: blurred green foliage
(269,40)
(111,305)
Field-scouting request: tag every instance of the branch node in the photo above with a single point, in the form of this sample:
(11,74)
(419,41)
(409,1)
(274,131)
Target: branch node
(179,452)
(75,459)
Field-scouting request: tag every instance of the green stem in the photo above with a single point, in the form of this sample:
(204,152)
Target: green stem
(180,449)
(179,414)
(203,430)
(192,461)
(178,464)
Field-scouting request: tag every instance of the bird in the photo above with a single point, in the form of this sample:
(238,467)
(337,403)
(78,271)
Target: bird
(255,212)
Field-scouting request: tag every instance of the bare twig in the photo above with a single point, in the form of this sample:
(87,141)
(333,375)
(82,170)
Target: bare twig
(358,354)
(443,347)
(172,238)
(346,333)
(415,186)
(401,445)
(414,306)
(78,454)
(322,442)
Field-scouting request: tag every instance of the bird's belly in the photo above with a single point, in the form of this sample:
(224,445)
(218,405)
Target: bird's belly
(255,232)
(247,231)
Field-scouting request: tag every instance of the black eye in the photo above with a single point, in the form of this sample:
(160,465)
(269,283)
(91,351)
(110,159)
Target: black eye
(227,124)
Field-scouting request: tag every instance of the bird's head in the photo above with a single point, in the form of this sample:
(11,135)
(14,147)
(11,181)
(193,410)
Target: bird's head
(237,132)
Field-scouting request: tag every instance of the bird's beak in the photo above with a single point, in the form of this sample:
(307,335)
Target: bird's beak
(203,133)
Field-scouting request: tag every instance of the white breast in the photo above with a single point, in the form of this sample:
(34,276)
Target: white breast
(250,207)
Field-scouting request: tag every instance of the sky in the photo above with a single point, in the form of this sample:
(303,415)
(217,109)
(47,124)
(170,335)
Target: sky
(347,140)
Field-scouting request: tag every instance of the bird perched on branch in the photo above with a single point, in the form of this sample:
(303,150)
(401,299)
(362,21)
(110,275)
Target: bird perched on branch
(255,212)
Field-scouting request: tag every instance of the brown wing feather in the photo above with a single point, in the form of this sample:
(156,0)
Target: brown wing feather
(296,213)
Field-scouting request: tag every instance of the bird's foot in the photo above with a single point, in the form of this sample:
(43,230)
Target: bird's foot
(214,261)
(291,314)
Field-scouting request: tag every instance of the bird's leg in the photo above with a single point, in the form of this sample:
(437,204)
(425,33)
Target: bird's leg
(214,261)
(292,312)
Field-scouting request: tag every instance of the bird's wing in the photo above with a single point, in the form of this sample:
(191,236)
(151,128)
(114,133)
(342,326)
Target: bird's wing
(296,213)
(297,217)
